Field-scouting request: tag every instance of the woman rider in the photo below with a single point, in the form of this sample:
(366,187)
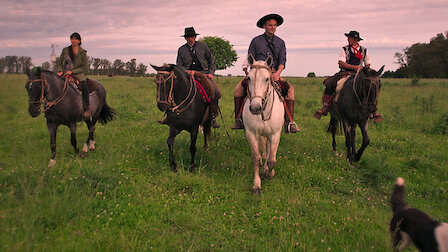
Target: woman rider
(73,61)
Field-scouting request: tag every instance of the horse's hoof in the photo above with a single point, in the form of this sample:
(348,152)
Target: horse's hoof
(256,191)
(83,154)
(174,167)
(52,163)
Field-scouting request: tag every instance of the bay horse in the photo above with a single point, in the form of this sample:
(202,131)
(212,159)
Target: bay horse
(263,118)
(357,101)
(184,107)
(64,105)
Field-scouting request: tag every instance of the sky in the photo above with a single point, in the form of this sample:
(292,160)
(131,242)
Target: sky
(151,30)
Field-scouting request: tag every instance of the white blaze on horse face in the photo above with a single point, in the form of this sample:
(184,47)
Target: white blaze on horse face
(259,78)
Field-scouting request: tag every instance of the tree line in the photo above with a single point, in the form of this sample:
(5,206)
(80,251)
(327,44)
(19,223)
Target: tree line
(96,66)
(423,60)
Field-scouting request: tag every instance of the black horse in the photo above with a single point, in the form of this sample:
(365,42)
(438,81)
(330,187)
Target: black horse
(64,105)
(357,101)
(184,107)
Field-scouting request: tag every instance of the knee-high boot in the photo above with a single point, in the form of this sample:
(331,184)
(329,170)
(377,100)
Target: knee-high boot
(85,96)
(239,102)
(324,111)
(290,126)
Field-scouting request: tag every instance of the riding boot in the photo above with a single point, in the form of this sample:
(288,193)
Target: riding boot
(290,126)
(85,96)
(214,110)
(324,111)
(239,101)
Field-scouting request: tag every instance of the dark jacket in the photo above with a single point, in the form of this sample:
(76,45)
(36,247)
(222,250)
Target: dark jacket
(80,65)
(184,58)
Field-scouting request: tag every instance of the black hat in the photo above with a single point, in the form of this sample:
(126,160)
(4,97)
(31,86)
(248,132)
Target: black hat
(263,20)
(353,34)
(189,32)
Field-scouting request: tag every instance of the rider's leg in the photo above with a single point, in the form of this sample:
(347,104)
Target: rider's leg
(239,95)
(85,96)
(290,125)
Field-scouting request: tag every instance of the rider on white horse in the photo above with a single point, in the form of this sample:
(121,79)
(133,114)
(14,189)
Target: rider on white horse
(261,47)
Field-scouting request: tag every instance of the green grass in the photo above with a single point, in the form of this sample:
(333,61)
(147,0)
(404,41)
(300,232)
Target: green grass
(124,196)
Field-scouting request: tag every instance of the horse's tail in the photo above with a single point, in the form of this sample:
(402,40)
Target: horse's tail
(107,114)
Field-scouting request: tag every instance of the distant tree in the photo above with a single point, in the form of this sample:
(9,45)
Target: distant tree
(25,63)
(141,69)
(46,65)
(221,50)
(425,60)
(96,64)
(2,64)
(11,62)
(131,67)
(311,74)
(105,65)
(118,67)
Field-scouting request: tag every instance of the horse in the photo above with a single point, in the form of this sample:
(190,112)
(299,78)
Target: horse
(357,101)
(63,105)
(263,118)
(185,109)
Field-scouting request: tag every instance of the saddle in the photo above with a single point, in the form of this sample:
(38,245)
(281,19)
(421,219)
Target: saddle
(205,87)
(92,85)
(338,81)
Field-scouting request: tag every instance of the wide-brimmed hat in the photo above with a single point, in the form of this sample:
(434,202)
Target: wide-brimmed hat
(189,32)
(263,20)
(353,34)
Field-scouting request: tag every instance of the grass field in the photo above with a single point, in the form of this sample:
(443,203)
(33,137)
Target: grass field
(123,196)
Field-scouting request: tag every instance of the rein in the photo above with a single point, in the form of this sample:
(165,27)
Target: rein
(373,81)
(263,98)
(169,98)
(43,98)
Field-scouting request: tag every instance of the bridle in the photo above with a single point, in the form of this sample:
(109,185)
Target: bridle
(265,96)
(43,98)
(374,81)
(168,98)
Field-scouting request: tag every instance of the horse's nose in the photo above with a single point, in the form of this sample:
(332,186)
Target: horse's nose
(255,108)
(34,111)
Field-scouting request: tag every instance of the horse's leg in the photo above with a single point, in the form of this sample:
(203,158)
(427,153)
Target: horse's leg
(52,128)
(256,161)
(72,127)
(170,141)
(349,140)
(90,143)
(272,158)
(193,138)
(365,140)
(206,130)
(333,128)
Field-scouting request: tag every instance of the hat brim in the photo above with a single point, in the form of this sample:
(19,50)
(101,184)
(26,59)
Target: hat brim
(263,20)
(189,35)
(349,35)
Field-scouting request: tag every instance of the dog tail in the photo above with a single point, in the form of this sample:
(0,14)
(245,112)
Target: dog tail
(397,199)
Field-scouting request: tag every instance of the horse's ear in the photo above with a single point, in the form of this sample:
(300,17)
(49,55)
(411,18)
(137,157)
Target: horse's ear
(380,71)
(250,59)
(269,61)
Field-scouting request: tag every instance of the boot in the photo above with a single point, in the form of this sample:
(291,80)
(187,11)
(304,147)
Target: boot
(85,96)
(214,110)
(239,102)
(324,111)
(290,127)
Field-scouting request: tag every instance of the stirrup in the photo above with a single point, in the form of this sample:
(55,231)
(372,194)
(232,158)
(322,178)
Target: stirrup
(289,127)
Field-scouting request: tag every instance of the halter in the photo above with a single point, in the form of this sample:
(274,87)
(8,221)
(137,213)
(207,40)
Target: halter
(43,98)
(169,98)
(373,81)
(265,96)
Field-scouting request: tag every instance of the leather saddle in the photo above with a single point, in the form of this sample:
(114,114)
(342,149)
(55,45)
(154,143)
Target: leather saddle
(92,85)
(207,86)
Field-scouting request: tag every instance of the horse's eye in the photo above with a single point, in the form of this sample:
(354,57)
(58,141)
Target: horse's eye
(267,79)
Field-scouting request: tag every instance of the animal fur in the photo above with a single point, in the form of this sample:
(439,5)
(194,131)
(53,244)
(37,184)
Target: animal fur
(410,225)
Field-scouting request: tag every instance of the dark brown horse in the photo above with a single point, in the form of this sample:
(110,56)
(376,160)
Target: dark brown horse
(64,105)
(357,101)
(184,107)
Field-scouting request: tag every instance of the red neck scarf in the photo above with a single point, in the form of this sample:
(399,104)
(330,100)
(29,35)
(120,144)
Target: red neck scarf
(356,52)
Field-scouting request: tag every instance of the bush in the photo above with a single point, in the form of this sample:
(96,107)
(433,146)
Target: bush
(441,125)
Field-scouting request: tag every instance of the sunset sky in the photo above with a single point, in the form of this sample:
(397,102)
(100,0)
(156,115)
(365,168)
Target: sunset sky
(150,30)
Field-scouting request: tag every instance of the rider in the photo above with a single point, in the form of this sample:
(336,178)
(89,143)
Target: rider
(73,61)
(195,56)
(351,58)
(262,46)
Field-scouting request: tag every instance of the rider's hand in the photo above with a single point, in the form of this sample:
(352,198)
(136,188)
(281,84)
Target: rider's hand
(60,73)
(210,76)
(69,72)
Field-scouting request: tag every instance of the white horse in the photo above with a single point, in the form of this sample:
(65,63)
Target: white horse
(263,117)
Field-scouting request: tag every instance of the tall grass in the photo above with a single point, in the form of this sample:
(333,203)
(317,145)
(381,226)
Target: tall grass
(124,196)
